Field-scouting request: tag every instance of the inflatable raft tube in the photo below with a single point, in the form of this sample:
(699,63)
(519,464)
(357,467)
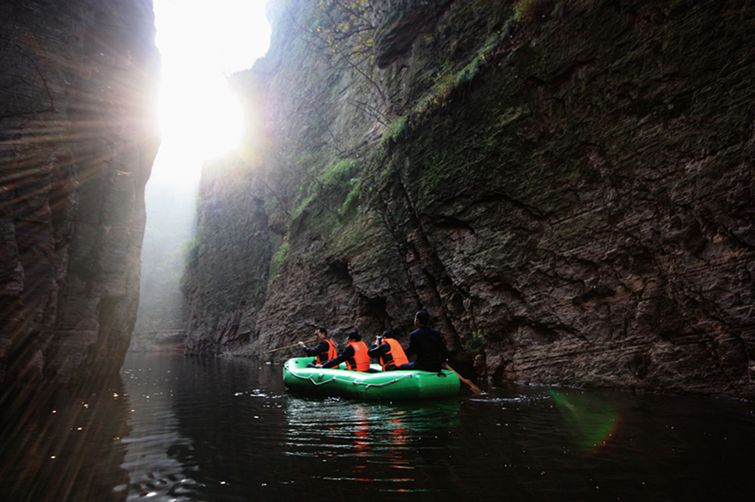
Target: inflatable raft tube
(389,385)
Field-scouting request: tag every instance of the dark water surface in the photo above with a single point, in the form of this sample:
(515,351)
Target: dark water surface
(218,429)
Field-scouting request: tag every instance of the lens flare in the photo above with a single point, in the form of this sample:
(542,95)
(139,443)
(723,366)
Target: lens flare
(593,422)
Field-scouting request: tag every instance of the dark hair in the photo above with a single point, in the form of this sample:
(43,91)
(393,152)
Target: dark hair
(423,317)
(354,335)
(322,329)
(389,333)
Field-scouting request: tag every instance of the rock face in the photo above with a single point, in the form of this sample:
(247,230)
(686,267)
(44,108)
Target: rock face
(566,186)
(77,144)
(168,236)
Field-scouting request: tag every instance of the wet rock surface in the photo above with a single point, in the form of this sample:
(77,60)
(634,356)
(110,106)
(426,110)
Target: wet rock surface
(76,143)
(569,193)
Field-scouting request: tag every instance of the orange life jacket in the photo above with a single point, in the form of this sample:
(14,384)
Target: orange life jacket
(360,361)
(395,356)
(332,353)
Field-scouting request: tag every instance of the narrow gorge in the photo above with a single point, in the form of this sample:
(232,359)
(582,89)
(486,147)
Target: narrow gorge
(566,186)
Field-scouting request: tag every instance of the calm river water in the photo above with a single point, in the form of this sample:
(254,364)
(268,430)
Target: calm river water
(179,428)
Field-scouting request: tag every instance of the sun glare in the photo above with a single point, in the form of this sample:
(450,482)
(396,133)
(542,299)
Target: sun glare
(203,115)
(201,43)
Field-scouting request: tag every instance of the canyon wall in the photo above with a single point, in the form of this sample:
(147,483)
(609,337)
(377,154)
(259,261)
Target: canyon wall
(77,141)
(168,236)
(566,186)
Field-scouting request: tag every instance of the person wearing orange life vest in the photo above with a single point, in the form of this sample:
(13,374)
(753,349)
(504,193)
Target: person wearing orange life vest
(388,351)
(354,355)
(324,350)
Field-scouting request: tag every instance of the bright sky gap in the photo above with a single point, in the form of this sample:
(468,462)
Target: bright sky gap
(201,43)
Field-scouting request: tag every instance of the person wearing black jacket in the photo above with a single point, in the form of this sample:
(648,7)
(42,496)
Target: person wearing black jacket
(427,345)
(324,350)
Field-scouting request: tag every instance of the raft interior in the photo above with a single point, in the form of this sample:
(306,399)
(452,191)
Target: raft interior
(388,385)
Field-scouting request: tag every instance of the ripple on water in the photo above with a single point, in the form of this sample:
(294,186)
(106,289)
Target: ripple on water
(226,430)
(491,399)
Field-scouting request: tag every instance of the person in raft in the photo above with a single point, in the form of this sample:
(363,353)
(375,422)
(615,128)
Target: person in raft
(354,355)
(324,350)
(388,351)
(427,345)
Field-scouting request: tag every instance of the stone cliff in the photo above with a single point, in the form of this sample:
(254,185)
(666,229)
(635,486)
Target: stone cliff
(168,235)
(566,186)
(77,144)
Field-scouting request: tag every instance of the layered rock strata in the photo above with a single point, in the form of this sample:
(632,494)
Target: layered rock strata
(77,142)
(567,186)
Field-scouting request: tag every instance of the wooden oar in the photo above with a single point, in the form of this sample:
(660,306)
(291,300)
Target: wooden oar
(468,382)
(281,348)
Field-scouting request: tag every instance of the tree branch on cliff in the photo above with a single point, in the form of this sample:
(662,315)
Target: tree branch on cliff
(348,33)
(356,67)
(369,110)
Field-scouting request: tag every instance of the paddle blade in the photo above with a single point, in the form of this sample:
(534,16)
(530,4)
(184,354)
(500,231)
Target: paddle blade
(466,381)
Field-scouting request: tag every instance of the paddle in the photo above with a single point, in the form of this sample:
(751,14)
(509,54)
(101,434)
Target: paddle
(468,382)
(281,348)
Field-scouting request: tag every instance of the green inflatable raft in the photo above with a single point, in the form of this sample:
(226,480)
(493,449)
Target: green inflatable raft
(389,385)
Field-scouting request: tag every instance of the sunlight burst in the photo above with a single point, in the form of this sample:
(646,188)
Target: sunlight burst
(203,116)
(201,43)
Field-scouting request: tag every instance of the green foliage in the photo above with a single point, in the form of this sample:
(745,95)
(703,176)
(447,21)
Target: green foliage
(495,38)
(336,176)
(395,130)
(299,209)
(439,93)
(278,259)
(469,72)
(447,81)
(337,171)
(476,343)
(353,195)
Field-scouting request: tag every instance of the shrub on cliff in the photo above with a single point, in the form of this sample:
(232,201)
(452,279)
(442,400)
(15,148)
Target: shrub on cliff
(278,259)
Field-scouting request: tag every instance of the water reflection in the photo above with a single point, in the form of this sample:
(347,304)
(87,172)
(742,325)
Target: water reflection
(158,457)
(202,429)
(66,445)
(375,443)
(216,429)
